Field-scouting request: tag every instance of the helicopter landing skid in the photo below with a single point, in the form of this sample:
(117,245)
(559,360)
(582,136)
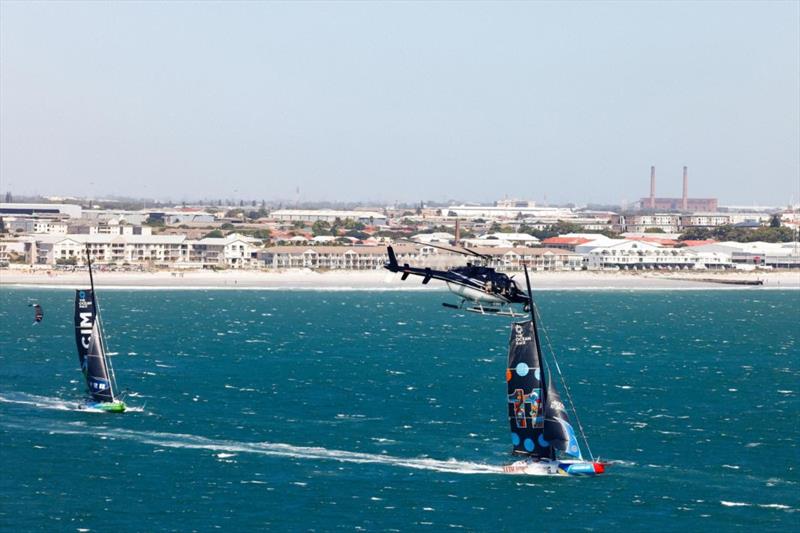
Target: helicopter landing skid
(495,311)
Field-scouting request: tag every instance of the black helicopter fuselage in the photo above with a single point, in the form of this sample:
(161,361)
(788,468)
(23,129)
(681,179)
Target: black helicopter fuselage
(479,284)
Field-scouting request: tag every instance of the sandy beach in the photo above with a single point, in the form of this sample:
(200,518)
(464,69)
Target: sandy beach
(381,280)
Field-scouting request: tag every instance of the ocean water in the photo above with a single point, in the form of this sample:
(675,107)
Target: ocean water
(383,411)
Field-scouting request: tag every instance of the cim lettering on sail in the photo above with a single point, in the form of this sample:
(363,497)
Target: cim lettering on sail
(84,322)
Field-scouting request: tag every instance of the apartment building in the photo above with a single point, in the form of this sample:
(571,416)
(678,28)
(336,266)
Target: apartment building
(233,251)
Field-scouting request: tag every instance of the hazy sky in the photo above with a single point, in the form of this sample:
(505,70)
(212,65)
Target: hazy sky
(401,101)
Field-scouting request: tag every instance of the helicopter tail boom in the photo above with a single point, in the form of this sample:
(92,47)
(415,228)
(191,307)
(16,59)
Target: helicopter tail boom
(393,266)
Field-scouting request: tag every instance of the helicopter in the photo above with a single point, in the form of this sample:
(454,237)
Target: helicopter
(488,291)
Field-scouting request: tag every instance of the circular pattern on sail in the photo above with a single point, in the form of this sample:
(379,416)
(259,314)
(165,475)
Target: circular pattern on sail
(514,439)
(537,374)
(543,443)
(528,445)
(523,369)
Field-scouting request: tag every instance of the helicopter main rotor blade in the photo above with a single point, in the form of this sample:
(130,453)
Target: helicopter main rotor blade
(463,251)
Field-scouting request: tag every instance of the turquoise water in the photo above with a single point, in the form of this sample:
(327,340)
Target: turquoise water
(384,411)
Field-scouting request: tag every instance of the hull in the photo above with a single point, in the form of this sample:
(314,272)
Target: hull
(475,295)
(554,468)
(117,406)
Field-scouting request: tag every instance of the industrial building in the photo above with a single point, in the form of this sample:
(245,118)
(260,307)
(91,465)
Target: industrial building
(684,203)
(329,215)
(41,210)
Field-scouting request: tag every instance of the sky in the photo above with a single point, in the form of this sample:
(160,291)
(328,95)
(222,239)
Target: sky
(401,101)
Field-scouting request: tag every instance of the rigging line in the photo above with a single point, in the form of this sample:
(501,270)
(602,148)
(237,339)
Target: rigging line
(100,330)
(564,383)
(106,357)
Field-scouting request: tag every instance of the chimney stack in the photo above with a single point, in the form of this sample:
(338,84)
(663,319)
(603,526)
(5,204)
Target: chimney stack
(458,233)
(652,187)
(685,199)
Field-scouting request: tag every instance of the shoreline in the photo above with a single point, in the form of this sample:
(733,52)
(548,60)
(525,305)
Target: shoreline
(383,280)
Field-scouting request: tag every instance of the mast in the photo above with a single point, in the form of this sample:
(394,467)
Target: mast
(91,278)
(557,421)
(535,329)
(101,335)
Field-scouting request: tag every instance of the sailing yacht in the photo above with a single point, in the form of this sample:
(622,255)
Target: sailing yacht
(544,441)
(92,353)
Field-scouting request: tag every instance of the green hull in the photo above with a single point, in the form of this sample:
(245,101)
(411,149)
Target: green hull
(117,406)
(114,407)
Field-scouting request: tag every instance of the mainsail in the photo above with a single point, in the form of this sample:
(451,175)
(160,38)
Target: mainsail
(558,431)
(538,419)
(526,394)
(91,348)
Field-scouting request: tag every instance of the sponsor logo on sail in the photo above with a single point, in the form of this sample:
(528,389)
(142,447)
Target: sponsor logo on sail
(519,335)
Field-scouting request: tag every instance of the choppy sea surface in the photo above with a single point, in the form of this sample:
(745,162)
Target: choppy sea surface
(383,411)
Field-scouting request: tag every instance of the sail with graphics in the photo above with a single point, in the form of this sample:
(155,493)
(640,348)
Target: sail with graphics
(91,349)
(539,422)
(92,353)
(542,435)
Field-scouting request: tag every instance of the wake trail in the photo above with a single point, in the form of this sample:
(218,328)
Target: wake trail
(56,404)
(43,402)
(274,449)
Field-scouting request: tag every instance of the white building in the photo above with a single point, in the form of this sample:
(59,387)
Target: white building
(434,238)
(711,220)
(37,225)
(595,240)
(233,251)
(755,254)
(126,216)
(112,226)
(507,212)
(107,249)
(515,239)
(639,223)
(375,257)
(180,216)
(329,257)
(10,249)
(168,216)
(637,255)
(370,218)
(548,259)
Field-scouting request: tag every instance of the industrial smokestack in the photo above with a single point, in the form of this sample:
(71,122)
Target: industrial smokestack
(652,187)
(685,199)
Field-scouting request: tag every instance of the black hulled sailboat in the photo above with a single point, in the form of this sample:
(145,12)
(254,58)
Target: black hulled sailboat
(543,439)
(96,367)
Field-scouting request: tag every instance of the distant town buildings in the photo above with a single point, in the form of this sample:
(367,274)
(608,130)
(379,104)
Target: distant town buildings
(504,234)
